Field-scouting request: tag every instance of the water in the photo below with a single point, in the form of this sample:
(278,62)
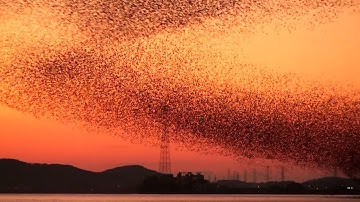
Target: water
(172,198)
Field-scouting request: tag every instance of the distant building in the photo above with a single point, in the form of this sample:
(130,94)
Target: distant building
(189,177)
(183,182)
(194,183)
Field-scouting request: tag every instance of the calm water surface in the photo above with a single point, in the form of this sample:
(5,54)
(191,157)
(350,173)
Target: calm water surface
(172,198)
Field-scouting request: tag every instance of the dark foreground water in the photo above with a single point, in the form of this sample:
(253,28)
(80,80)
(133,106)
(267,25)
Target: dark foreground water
(171,198)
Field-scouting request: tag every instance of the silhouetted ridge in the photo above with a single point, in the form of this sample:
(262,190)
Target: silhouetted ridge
(331,183)
(21,177)
(130,170)
(132,175)
(17,176)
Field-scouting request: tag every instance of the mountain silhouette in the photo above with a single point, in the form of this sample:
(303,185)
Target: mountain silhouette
(132,175)
(21,177)
(332,183)
(18,176)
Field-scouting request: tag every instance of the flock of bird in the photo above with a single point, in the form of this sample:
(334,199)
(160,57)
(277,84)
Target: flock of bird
(133,67)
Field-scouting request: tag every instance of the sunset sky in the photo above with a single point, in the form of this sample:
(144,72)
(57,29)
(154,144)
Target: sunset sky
(328,52)
(40,141)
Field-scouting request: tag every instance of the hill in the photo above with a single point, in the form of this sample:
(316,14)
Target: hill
(21,177)
(17,176)
(326,185)
(132,175)
(332,184)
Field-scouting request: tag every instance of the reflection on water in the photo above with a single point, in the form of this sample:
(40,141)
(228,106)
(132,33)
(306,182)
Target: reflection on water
(172,198)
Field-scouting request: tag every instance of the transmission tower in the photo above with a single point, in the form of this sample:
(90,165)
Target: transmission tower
(267,173)
(335,172)
(164,165)
(282,173)
(254,172)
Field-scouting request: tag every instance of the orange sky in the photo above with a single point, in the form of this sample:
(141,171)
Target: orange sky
(331,51)
(31,140)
